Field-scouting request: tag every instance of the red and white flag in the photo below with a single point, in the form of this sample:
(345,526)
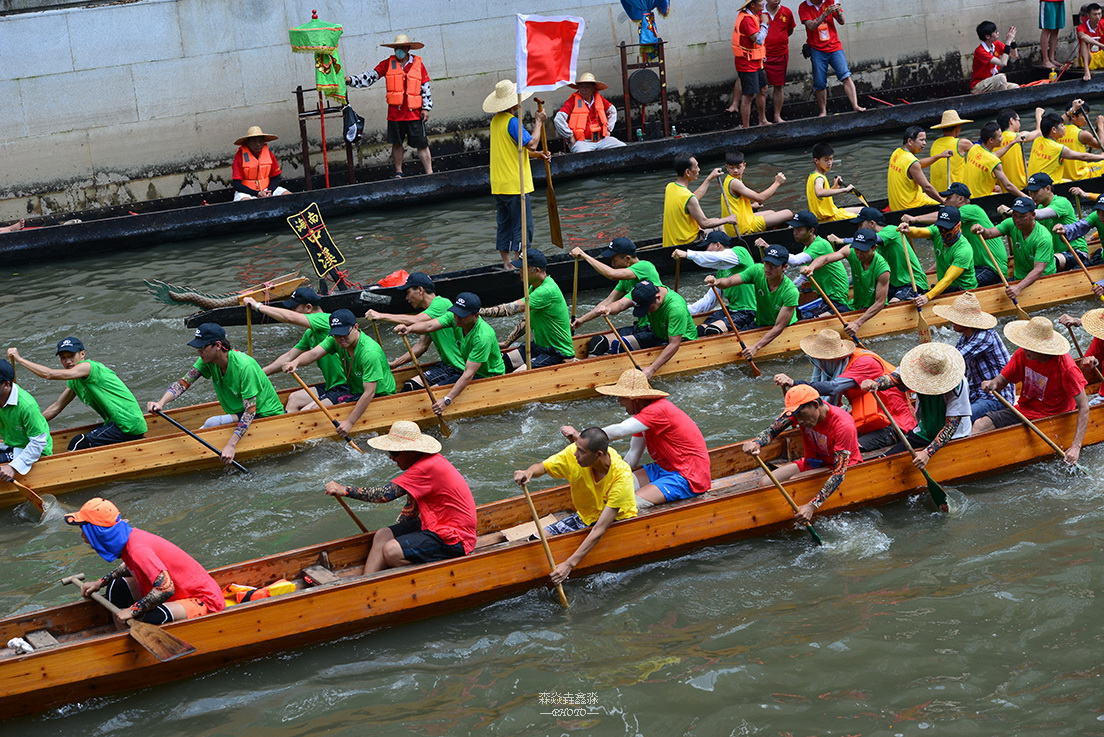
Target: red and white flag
(547,51)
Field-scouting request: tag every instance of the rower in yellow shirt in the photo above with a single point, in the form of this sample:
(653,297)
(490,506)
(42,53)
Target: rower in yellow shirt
(1076,138)
(683,218)
(737,197)
(984,168)
(906,183)
(1013,158)
(1047,154)
(954,168)
(820,194)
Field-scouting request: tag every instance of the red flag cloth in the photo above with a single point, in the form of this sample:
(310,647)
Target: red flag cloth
(547,51)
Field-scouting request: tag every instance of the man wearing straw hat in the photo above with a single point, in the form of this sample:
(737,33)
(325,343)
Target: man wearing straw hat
(507,170)
(255,171)
(680,460)
(586,118)
(954,169)
(829,441)
(937,373)
(1050,380)
(839,370)
(24,434)
(438,521)
(1032,245)
(981,347)
(1093,323)
(408,100)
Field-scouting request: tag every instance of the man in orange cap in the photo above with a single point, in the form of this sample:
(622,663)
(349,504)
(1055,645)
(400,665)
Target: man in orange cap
(157,582)
(830,441)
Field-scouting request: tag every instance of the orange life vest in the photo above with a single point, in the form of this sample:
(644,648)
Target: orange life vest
(579,120)
(405,84)
(256,169)
(864,408)
(743,46)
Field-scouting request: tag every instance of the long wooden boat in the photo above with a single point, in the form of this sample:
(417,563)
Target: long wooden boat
(494,286)
(144,224)
(163,451)
(91,660)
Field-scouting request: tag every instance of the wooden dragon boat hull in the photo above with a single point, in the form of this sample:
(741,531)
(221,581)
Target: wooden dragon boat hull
(111,230)
(160,454)
(91,660)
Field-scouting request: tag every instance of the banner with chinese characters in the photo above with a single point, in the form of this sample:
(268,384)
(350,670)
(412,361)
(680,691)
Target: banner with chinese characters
(311,230)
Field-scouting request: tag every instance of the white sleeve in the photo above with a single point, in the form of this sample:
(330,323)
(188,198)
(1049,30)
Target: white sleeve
(25,457)
(724,259)
(1045,213)
(707,303)
(611,118)
(631,426)
(560,121)
(636,451)
(799,259)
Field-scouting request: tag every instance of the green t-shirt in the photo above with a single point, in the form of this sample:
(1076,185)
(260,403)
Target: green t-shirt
(551,318)
(643,270)
(367,364)
(893,251)
(1037,247)
(1094,220)
(865,281)
(1066,215)
(479,345)
(109,397)
(446,340)
(22,421)
(832,278)
(973,215)
(767,303)
(741,296)
(242,379)
(318,331)
(672,318)
(959,254)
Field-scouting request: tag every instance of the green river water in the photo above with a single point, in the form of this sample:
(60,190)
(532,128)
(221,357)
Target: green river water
(981,622)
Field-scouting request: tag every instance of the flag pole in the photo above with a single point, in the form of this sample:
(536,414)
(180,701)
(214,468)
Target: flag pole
(524,240)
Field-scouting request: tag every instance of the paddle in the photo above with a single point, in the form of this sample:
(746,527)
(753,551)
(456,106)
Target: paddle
(832,306)
(163,645)
(624,344)
(31,496)
(922,327)
(425,385)
(855,191)
(1000,272)
(935,491)
(1053,446)
(375,326)
(553,207)
(678,272)
(720,300)
(198,439)
(575,289)
(1081,353)
(778,485)
(1077,258)
(544,542)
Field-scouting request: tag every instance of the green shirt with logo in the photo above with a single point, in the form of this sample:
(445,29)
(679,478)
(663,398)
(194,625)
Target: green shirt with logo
(318,331)
(644,270)
(671,318)
(769,303)
(864,281)
(243,378)
(959,254)
(367,364)
(1038,246)
(551,318)
(973,215)
(109,397)
(446,340)
(832,277)
(479,345)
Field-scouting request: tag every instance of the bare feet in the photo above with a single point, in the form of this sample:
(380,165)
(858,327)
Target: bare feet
(859,109)
(765,122)
(778,119)
(17,225)
(1050,65)
(732,109)
(822,114)
(1087,77)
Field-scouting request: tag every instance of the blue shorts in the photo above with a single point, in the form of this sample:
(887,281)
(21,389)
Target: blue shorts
(571,523)
(1052,15)
(821,60)
(671,484)
(903,293)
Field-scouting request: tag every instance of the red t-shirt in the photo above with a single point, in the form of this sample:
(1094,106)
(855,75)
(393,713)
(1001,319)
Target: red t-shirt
(400,112)
(748,25)
(834,433)
(984,68)
(1096,350)
(445,502)
(676,443)
(146,555)
(1094,33)
(823,37)
(1048,387)
(867,367)
(782,26)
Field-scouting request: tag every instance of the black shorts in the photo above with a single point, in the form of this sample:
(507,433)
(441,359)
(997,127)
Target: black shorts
(413,131)
(645,338)
(752,82)
(903,292)
(542,356)
(423,546)
(106,434)
(986,276)
(745,319)
(340,394)
(1003,418)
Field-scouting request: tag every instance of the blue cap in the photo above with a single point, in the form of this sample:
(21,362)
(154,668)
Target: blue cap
(301,296)
(1038,180)
(417,279)
(948,217)
(7,373)
(341,322)
(466,305)
(804,219)
(957,188)
(869,213)
(1099,205)
(644,295)
(1023,204)
(777,255)
(69,345)
(619,245)
(536,258)
(206,334)
(718,236)
(865,239)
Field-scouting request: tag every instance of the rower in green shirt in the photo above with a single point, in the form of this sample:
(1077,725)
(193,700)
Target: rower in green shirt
(24,433)
(243,390)
(662,318)
(421,294)
(97,386)
(623,267)
(776,297)
(831,276)
(869,273)
(727,258)
(551,331)
(1082,227)
(985,269)
(898,253)
(1032,245)
(1053,209)
(954,257)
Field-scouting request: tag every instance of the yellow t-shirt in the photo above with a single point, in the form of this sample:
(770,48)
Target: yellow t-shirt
(823,207)
(903,192)
(1071,168)
(679,228)
(590,497)
(980,163)
(1013,161)
(956,165)
(1046,156)
(748,221)
(504,158)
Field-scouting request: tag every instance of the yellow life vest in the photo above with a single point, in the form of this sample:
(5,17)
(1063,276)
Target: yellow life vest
(903,192)
(955,166)
(1013,161)
(679,228)
(980,163)
(504,157)
(739,205)
(1046,156)
(405,84)
(823,207)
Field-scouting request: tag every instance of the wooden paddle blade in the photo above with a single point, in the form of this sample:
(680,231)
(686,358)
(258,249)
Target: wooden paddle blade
(923,329)
(754,369)
(556,232)
(163,645)
(445,429)
(936,492)
(1021,313)
(30,495)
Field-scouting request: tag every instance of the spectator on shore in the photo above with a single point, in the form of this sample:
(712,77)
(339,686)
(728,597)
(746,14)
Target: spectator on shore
(782,25)
(990,57)
(820,21)
(1052,18)
(1090,40)
(748,37)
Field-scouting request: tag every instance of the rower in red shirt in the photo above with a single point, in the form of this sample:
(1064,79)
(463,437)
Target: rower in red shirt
(1093,323)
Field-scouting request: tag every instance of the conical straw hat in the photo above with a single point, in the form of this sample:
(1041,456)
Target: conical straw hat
(504,97)
(632,383)
(950,120)
(966,311)
(1037,334)
(826,345)
(405,435)
(1093,322)
(255,132)
(932,368)
(403,40)
(588,77)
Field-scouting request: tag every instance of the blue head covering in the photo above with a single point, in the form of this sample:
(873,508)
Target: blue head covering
(108,542)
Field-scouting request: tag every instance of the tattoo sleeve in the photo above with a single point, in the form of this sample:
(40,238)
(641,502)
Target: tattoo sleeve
(777,428)
(410,511)
(162,591)
(249,412)
(833,482)
(505,310)
(181,385)
(886,381)
(378,494)
(119,572)
(516,333)
(944,435)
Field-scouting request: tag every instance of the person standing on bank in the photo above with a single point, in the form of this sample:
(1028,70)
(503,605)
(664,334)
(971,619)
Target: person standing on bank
(587,118)
(506,184)
(819,19)
(408,100)
(782,25)
(255,171)
(748,46)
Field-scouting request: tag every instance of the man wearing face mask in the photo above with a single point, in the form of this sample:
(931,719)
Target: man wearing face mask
(408,100)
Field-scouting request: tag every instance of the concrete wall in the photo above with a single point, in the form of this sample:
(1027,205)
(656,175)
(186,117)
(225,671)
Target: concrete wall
(116,103)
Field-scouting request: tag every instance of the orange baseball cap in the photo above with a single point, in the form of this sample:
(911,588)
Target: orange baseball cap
(95,511)
(798,395)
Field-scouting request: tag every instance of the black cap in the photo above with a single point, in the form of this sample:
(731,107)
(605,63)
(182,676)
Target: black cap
(644,295)
(718,236)
(1023,204)
(804,219)
(536,258)
(69,345)
(948,217)
(1099,203)
(417,279)
(865,239)
(619,245)
(1038,180)
(302,296)
(869,213)
(466,304)
(776,255)
(957,188)
(7,373)
(341,322)
(206,334)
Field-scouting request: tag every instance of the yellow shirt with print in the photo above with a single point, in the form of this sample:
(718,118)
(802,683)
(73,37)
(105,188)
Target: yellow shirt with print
(590,497)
